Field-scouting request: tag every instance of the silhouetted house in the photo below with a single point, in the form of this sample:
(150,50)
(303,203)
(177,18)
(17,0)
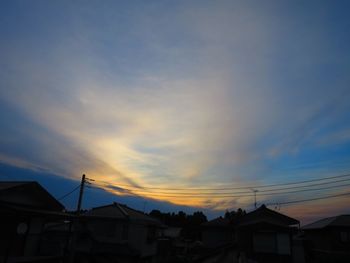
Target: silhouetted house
(167,243)
(28,195)
(265,235)
(25,208)
(217,232)
(118,231)
(329,239)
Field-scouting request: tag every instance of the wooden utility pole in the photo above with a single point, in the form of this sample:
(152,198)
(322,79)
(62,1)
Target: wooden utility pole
(73,235)
(82,184)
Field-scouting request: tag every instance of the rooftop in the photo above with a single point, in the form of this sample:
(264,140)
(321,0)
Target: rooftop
(122,212)
(5,185)
(28,194)
(341,220)
(264,214)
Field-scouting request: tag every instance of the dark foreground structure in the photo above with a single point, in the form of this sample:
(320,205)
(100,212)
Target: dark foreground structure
(35,227)
(328,239)
(262,235)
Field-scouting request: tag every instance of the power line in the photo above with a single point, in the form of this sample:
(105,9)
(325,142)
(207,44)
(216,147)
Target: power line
(221,195)
(128,191)
(311,199)
(304,186)
(230,193)
(289,202)
(67,194)
(229,188)
(307,190)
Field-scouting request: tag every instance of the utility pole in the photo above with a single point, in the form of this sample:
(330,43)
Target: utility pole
(73,235)
(82,184)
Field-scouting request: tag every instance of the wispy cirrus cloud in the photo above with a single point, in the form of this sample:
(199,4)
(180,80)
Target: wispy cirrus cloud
(210,94)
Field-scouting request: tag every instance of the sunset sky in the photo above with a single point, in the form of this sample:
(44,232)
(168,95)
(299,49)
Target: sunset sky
(151,96)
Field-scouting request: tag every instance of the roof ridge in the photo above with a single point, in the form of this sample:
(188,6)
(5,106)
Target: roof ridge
(326,221)
(133,209)
(332,218)
(103,206)
(25,184)
(17,181)
(121,209)
(262,209)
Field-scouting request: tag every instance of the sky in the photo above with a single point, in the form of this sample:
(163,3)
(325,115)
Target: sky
(144,96)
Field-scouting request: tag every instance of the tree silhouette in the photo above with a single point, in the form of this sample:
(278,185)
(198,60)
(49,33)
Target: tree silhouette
(234,214)
(190,224)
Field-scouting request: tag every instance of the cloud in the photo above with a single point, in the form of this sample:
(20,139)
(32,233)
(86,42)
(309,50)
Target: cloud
(203,95)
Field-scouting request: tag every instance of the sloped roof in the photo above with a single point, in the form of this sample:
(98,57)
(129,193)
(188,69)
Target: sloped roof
(341,220)
(28,190)
(264,214)
(217,222)
(4,185)
(122,212)
(112,210)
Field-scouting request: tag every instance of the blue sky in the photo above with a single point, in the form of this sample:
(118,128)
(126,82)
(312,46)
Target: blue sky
(176,94)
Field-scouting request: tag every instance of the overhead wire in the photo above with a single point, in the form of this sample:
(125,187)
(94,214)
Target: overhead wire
(221,195)
(310,199)
(299,186)
(310,186)
(69,193)
(277,191)
(299,200)
(228,188)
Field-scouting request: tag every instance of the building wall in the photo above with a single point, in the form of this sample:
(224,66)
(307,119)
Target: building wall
(22,197)
(139,236)
(20,235)
(318,239)
(33,236)
(298,251)
(108,230)
(215,237)
(340,238)
(10,242)
(328,244)
(265,244)
(143,238)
